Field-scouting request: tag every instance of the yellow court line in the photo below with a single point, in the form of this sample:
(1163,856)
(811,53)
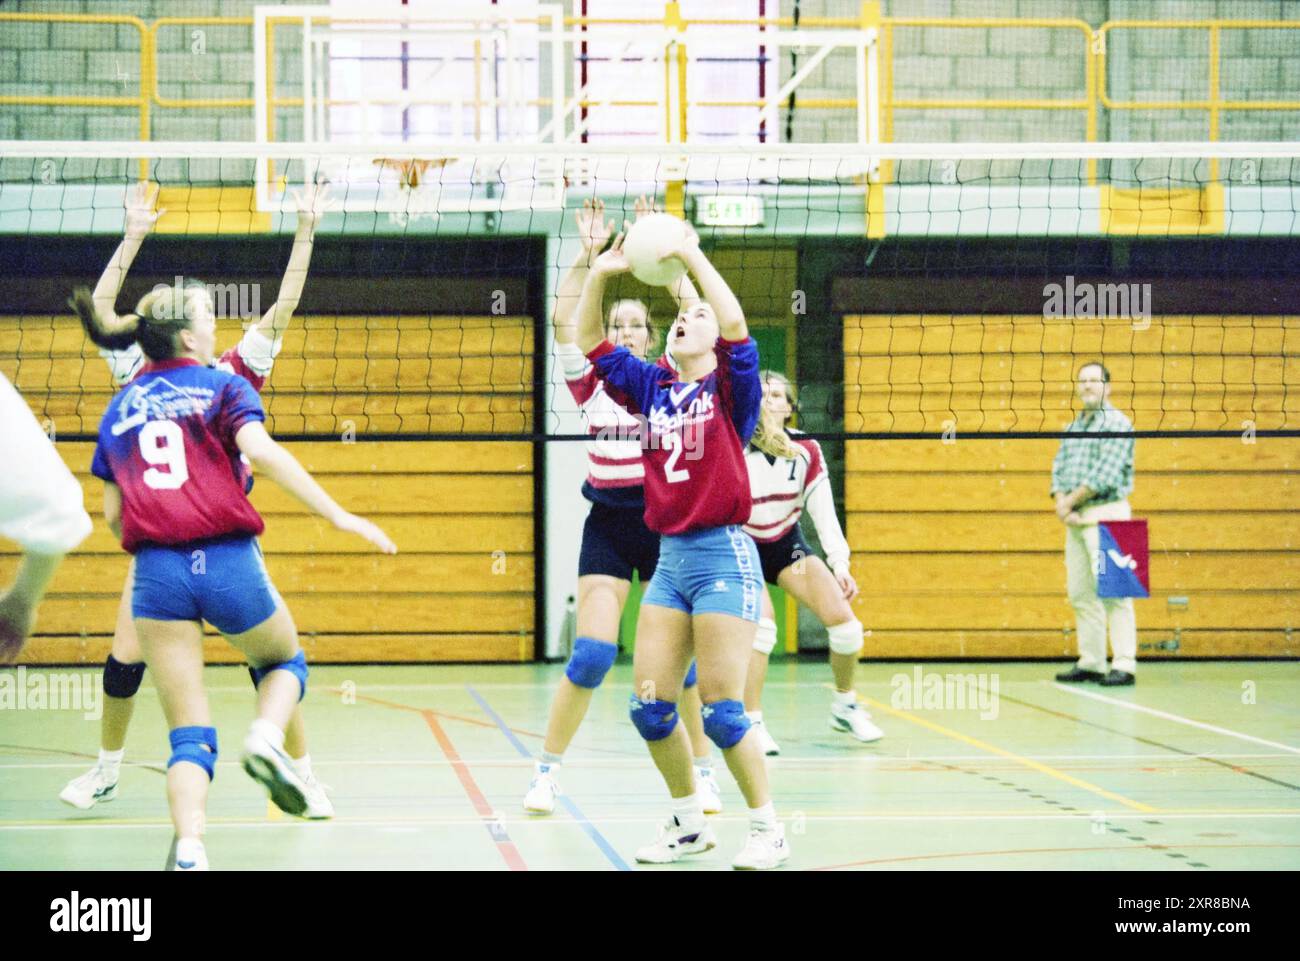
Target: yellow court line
(1033,765)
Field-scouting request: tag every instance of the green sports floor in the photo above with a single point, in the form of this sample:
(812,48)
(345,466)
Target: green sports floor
(1196,769)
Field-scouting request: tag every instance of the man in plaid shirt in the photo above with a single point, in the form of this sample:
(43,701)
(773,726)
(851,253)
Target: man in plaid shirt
(1091,480)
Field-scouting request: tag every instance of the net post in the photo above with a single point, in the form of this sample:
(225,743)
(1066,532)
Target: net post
(675,190)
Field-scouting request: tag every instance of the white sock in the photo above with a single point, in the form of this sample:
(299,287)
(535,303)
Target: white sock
(763,818)
(269,731)
(189,849)
(689,810)
(111,761)
(303,766)
(755,716)
(541,766)
(846,698)
(704,765)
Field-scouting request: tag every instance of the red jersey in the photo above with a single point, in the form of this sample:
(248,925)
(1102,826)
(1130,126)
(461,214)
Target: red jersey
(168,441)
(694,433)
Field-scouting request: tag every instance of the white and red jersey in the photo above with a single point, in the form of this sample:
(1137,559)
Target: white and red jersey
(615,470)
(252,359)
(782,488)
(695,433)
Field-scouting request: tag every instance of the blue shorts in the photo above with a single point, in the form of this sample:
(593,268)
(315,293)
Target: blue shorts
(223,582)
(714,571)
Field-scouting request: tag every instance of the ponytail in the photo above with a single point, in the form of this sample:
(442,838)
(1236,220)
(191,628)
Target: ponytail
(774,443)
(83,304)
(160,315)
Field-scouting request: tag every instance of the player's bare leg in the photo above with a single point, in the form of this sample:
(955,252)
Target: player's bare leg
(600,608)
(272,647)
(174,649)
(659,664)
(811,582)
(756,676)
(723,643)
(122,677)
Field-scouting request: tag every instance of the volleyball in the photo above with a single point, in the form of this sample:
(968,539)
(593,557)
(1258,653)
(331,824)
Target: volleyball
(646,240)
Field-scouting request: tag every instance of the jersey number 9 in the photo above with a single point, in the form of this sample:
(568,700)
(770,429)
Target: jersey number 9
(170,454)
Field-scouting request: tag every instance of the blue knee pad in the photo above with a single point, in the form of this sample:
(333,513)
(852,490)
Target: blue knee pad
(590,662)
(654,720)
(725,723)
(198,745)
(690,676)
(122,680)
(296,665)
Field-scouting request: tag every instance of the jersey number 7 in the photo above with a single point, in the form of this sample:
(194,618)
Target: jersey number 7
(170,454)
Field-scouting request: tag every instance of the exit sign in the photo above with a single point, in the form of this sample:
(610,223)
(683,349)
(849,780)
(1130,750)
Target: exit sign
(729,211)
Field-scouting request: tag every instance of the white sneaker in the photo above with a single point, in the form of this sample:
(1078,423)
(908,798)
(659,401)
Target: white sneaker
(854,719)
(319,806)
(89,789)
(674,843)
(545,785)
(765,740)
(710,795)
(270,767)
(762,850)
(200,862)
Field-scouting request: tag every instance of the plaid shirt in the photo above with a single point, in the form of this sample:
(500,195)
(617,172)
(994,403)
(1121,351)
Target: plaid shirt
(1105,464)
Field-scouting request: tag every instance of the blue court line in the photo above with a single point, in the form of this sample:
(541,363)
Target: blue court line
(597,838)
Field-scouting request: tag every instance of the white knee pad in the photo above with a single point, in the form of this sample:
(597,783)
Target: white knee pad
(765,639)
(846,638)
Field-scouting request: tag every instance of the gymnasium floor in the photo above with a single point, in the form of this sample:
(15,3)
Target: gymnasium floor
(429,764)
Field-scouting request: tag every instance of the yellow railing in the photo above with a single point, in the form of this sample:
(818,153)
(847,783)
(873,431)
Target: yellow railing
(1093,97)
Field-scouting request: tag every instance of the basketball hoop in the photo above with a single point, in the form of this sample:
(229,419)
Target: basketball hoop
(412,171)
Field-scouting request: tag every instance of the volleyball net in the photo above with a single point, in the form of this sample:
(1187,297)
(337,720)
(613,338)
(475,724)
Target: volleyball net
(910,290)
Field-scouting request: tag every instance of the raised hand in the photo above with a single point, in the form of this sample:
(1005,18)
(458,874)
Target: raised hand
(313,201)
(140,215)
(644,205)
(613,261)
(594,230)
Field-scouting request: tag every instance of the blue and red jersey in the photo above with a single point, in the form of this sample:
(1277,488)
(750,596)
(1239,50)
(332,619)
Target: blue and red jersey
(167,440)
(694,433)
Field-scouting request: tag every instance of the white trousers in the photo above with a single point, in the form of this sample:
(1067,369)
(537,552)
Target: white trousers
(1093,615)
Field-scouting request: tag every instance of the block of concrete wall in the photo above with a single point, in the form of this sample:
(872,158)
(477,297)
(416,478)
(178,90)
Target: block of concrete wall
(950,41)
(53,66)
(979,73)
(1048,75)
(61,126)
(8,66)
(1017,42)
(186,67)
(102,126)
(1253,75)
(1273,43)
(83,36)
(922,71)
(168,127)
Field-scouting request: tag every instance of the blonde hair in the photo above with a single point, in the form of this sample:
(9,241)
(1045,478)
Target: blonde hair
(775,443)
(155,325)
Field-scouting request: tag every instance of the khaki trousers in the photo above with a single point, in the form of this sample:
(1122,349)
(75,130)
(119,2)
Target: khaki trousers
(1093,614)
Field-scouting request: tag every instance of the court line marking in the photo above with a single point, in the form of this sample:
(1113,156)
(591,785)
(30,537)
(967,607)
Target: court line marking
(511,760)
(570,805)
(1003,752)
(460,820)
(490,819)
(1013,851)
(1178,718)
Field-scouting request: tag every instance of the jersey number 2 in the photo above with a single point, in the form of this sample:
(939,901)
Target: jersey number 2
(171,454)
(673,444)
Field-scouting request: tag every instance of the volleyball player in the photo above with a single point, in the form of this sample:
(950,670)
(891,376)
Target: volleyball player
(704,595)
(175,493)
(252,359)
(615,539)
(787,475)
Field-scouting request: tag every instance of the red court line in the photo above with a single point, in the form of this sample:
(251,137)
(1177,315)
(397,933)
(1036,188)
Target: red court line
(484,810)
(1093,850)
(477,722)
(507,848)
